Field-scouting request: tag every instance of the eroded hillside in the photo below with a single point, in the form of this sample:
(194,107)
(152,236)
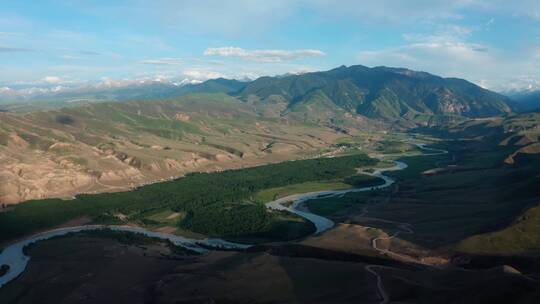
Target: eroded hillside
(116,146)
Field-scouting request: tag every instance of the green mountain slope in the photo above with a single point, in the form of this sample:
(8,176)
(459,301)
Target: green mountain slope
(526,101)
(382,93)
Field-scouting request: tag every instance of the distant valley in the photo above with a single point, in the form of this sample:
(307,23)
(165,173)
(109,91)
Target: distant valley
(527,100)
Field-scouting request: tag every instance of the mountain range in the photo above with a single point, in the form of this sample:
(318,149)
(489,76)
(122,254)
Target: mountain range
(380,93)
(390,94)
(528,100)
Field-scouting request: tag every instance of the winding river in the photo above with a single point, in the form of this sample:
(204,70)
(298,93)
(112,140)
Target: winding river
(14,256)
(321,223)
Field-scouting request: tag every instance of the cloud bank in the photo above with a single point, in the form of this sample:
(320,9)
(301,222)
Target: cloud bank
(263,55)
(162,61)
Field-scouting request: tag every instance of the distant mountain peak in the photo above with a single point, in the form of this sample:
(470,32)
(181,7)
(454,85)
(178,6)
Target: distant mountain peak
(405,72)
(382,93)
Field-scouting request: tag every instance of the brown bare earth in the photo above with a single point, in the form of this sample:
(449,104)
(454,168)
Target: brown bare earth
(34,175)
(346,237)
(116,147)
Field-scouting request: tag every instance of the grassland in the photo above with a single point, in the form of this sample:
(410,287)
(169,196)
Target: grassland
(388,146)
(275,193)
(521,237)
(353,181)
(332,205)
(416,165)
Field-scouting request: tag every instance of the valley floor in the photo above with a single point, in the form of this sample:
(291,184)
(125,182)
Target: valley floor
(400,244)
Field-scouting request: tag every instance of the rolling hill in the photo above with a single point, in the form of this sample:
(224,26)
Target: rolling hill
(516,137)
(115,146)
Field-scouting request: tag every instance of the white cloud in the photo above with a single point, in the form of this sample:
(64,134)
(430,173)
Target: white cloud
(71,57)
(521,8)
(202,74)
(452,56)
(449,58)
(223,16)
(51,79)
(107,82)
(162,61)
(8,49)
(394,11)
(522,84)
(263,55)
(407,11)
(9,34)
(446,33)
(246,17)
(187,81)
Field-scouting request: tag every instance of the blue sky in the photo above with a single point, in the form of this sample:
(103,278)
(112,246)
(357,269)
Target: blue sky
(493,43)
